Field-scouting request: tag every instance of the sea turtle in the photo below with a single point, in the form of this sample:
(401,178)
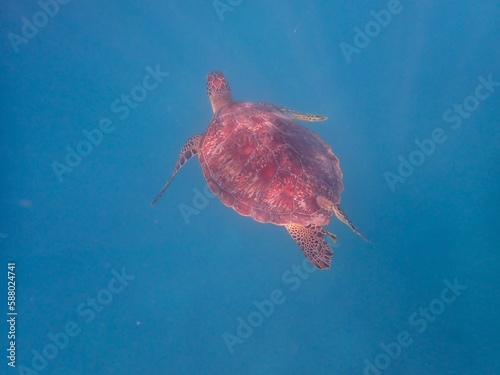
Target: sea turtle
(262,164)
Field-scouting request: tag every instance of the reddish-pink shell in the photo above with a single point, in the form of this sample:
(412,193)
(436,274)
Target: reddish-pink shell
(264,165)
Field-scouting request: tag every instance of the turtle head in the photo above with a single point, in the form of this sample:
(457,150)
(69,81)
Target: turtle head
(218,90)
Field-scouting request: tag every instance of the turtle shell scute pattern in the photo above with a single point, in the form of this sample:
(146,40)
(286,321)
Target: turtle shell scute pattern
(264,165)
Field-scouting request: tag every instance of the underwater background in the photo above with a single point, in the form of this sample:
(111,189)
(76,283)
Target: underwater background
(97,98)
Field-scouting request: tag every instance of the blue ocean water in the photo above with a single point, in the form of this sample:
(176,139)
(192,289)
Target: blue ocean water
(98,98)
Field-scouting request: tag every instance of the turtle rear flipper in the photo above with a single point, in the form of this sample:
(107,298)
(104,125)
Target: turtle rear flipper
(329,205)
(190,148)
(343,218)
(311,239)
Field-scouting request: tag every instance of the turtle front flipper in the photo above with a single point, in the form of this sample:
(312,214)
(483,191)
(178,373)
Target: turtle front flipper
(190,148)
(303,116)
(295,114)
(311,239)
